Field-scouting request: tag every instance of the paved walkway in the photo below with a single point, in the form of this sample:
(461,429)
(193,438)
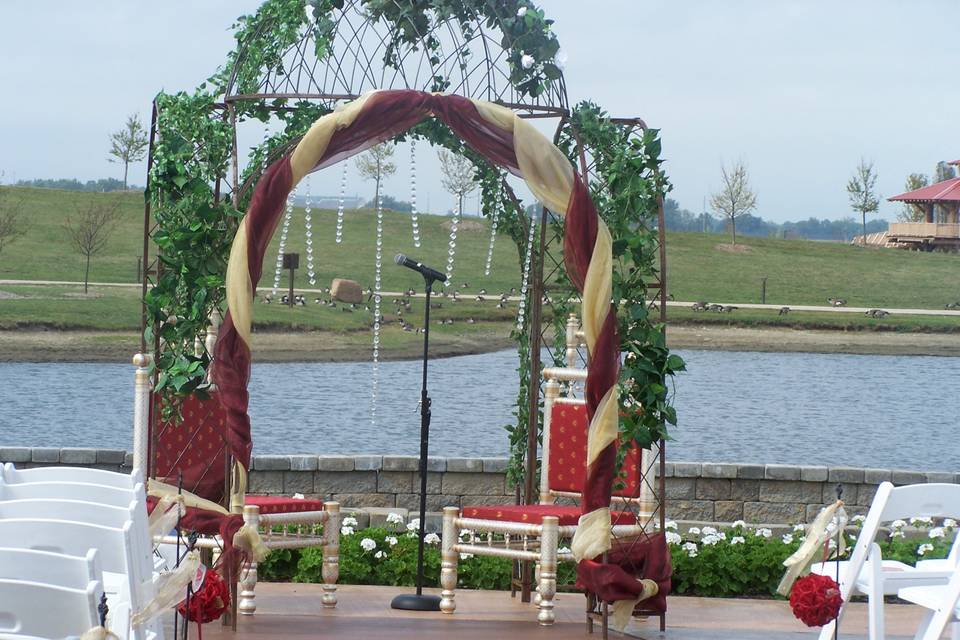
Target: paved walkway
(287,611)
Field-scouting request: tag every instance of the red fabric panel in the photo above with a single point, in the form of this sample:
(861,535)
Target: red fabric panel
(534,513)
(579,233)
(281,504)
(602,375)
(194,447)
(626,562)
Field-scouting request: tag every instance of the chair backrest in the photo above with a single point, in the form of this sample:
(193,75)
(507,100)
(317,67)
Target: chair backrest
(73,572)
(112,496)
(9,474)
(73,539)
(38,610)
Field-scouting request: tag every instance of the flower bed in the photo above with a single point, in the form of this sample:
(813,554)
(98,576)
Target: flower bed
(739,560)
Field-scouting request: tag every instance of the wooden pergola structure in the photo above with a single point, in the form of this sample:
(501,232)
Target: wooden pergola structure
(930,234)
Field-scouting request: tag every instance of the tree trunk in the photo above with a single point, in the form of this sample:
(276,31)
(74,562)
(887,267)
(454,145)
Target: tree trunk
(126,167)
(733,227)
(864,220)
(86,275)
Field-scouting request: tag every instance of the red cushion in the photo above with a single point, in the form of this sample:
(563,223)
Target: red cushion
(534,513)
(282,504)
(568,453)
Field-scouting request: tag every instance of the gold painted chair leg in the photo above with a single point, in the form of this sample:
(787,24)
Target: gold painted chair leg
(448,566)
(331,554)
(549,540)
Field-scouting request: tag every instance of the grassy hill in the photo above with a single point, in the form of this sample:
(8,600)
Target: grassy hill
(701,267)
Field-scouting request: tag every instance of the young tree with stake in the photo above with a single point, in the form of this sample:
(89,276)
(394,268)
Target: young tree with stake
(459,179)
(863,198)
(735,197)
(128,145)
(376,165)
(89,229)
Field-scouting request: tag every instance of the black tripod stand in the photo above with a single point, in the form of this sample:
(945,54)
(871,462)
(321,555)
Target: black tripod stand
(419,601)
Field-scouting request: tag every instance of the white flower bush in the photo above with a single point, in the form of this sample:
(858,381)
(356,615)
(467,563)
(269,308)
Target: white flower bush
(709,531)
(949,524)
(346,531)
(738,523)
(368,544)
(763,532)
(918,521)
(379,555)
(787,538)
(710,539)
(391,540)
(414,525)
(737,540)
(466,556)
(431,538)
(924,548)
(694,531)
(673,537)
(349,521)
(858,519)
(937,532)
(690,548)
(394,518)
(800,528)
(670,525)
(898,524)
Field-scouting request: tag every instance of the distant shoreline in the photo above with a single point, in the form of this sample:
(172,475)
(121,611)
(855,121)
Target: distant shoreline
(318,346)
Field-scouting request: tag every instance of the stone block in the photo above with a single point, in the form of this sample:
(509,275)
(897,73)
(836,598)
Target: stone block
(686,469)
(365,463)
(433,522)
(111,456)
(781,472)
(876,476)
(401,463)
(346,290)
(713,489)
(359,500)
(790,491)
(298,482)
(690,510)
(346,482)
(727,510)
(465,465)
(813,510)
(849,492)
(74,455)
(774,513)
(45,454)
(378,517)
(718,470)
(435,502)
(814,474)
(335,463)
(436,464)
(745,490)
(494,465)
(266,482)
(303,463)
(395,482)
(865,494)
(680,488)
(846,474)
(434,482)
(668,470)
(128,460)
(271,463)
(16,454)
(752,471)
(458,484)
(941,476)
(908,477)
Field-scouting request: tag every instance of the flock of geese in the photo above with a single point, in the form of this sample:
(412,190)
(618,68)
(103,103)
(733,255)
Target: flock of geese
(833,302)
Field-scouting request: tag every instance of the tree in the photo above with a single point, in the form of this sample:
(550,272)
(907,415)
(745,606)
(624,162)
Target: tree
(459,177)
(90,228)
(735,197)
(129,144)
(860,188)
(376,165)
(913,212)
(12,226)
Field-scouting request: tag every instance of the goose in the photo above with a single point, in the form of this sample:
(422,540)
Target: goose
(728,309)
(471,321)
(784,311)
(465,285)
(952,305)
(699,306)
(876,313)
(480,299)
(715,307)
(411,292)
(483,292)
(837,302)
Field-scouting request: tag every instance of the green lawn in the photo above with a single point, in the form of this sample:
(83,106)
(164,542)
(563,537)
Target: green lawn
(700,267)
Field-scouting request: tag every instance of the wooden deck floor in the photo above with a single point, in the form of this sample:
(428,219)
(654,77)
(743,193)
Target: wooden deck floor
(291,611)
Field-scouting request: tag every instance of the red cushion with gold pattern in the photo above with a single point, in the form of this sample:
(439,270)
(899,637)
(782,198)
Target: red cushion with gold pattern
(534,513)
(282,504)
(568,453)
(193,447)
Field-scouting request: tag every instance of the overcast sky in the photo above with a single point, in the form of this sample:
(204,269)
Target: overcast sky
(798,90)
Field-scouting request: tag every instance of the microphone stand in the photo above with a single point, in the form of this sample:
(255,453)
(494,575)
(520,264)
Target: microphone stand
(419,601)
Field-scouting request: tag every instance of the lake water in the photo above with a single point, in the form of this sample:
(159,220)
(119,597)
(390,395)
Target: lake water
(881,411)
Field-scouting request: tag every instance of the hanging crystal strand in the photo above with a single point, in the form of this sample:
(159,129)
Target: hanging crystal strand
(288,214)
(413,193)
(376,312)
(343,189)
(526,275)
(452,246)
(308,224)
(494,219)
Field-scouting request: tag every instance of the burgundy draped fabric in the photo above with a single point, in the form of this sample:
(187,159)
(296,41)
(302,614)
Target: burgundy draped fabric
(211,523)
(614,580)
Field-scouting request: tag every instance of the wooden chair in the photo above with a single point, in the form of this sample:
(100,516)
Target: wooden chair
(533,532)
(867,573)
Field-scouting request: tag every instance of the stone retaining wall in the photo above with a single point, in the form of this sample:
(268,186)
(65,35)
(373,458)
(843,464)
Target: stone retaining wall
(772,494)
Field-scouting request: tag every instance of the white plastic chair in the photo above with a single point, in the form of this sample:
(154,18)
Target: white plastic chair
(943,604)
(128,579)
(35,610)
(9,474)
(867,573)
(46,567)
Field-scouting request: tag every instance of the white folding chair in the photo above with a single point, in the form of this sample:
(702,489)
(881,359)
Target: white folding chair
(72,572)
(867,573)
(34,610)
(943,605)
(9,474)
(128,580)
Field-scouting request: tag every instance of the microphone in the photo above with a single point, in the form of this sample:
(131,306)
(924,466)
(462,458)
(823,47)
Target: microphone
(425,271)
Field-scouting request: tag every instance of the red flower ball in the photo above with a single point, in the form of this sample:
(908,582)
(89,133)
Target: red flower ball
(815,600)
(210,602)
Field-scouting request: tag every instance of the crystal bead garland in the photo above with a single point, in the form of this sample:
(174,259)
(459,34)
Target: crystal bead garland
(413,193)
(343,189)
(494,219)
(526,275)
(308,225)
(288,214)
(452,247)
(376,312)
